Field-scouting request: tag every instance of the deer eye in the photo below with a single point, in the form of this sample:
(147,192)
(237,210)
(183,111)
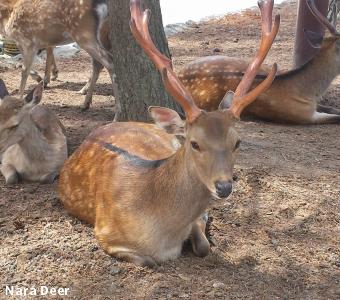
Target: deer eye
(237,145)
(195,146)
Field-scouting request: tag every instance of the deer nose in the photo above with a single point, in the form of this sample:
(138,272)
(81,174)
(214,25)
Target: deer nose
(223,188)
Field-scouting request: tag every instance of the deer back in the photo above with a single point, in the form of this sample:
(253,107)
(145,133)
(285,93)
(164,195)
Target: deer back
(51,22)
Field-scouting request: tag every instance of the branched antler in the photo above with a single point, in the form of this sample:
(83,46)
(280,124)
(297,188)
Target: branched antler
(241,97)
(139,27)
(322,19)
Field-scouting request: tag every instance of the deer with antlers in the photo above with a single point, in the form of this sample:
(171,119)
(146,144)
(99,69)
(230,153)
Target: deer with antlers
(43,24)
(32,140)
(293,96)
(143,196)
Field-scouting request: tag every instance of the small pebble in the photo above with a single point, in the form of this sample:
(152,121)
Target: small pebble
(115,270)
(183,296)
(218,285)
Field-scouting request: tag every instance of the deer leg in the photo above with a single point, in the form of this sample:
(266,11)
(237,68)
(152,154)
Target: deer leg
(10,174)
(324,118)
(55,71)
(102,56)
(48,179)
(97,67)
(28,55)
(35,76)
(328,109)
(48,66)
(199,241)
(139,260)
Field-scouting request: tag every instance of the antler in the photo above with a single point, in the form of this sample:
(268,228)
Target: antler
(241,97)
(322,19)
(140,30)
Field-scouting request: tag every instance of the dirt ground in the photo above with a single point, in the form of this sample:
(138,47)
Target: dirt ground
(277,237)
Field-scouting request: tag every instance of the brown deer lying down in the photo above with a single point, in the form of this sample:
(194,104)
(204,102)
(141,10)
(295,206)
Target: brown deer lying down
(143,196)
(32,140)
(43,24)
(293,96)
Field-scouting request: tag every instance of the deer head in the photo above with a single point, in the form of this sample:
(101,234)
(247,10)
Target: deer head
(211,143)
(15,115)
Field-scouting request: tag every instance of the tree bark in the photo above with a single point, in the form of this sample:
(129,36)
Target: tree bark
(138,82)
(303,51)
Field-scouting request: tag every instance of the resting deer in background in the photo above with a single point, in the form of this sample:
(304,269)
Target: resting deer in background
(32,139)
(143,196)
(41,24)
(293,96)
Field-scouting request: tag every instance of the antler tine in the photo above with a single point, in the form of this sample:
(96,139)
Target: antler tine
(322,19)
(139,27)
(269,31)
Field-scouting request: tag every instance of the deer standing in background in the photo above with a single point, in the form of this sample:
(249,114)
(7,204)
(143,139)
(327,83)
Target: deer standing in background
(41,24)
(293,96)
(143,197)
(97,67)
(32,140)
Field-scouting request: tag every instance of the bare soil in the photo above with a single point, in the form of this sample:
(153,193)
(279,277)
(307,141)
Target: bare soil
(277,237)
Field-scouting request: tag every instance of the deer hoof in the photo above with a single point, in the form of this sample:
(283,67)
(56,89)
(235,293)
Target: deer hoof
(46,83)
(12,179)
(201,248)
(55,75)
(83,91)
(85,107)
(48,179)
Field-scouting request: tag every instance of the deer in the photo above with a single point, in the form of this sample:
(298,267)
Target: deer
(294,95)
(97,67)
(43,24)
(33,145)
(144,196)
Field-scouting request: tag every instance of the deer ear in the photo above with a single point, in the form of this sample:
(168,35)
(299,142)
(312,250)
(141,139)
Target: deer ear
(314,39)
(167,119)
(226,101)
(3,89)
(34,96)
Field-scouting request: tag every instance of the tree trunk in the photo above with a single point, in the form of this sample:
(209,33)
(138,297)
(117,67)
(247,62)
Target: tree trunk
(303,51)
(138,83)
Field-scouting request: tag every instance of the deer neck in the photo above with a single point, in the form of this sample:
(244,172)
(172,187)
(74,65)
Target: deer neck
(314,78)
(181,192)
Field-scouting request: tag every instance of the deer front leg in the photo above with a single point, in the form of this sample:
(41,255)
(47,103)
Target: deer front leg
(10,174)
(199,241)
(28,55)
(107,241)
(48,179)
(132,257)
